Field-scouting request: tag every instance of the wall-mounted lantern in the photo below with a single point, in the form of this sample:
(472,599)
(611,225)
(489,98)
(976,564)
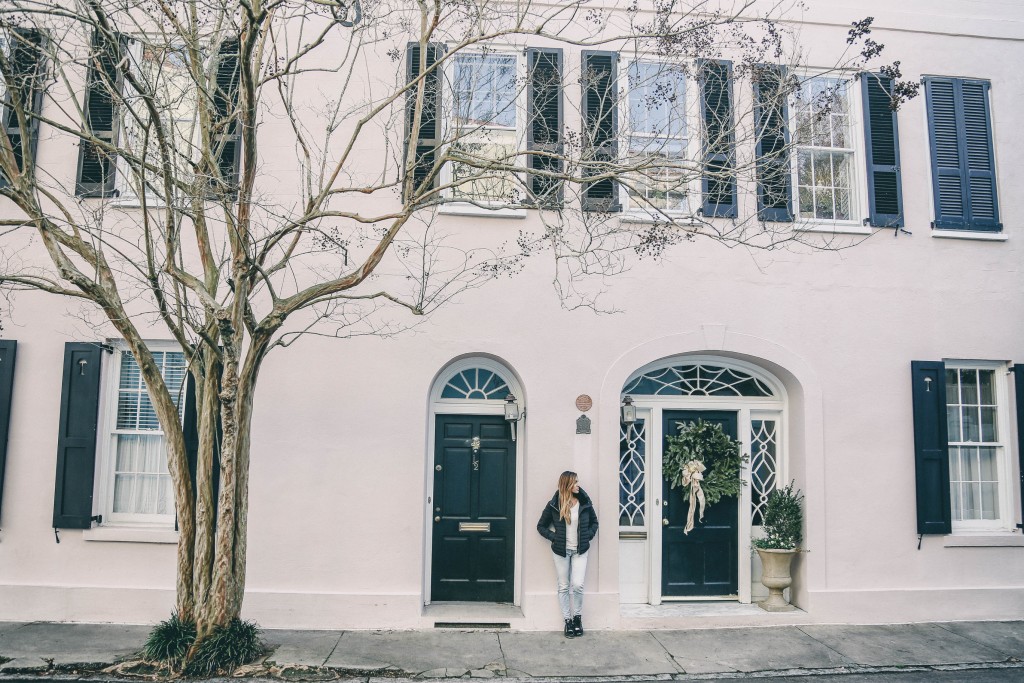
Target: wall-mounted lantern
(512,413)
(628,411)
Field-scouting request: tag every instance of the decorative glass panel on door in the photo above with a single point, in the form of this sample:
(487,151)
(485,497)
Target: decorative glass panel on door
(632,475)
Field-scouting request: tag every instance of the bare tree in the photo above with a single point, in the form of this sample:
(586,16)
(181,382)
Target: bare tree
(251,171)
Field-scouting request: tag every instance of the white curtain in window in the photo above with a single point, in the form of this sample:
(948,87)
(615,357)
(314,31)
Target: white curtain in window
(142,484)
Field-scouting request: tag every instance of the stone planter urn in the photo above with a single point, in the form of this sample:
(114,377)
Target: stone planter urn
(776,577)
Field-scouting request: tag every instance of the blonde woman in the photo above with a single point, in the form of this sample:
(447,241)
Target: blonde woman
(570,523)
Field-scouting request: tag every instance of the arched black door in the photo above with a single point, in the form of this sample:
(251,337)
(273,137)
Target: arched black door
(703,562)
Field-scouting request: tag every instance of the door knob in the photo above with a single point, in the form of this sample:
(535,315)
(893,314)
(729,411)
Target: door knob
(437,467)
(437,519)
(664,522)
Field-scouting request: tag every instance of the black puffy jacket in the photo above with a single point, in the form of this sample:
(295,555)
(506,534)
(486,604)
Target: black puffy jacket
(552,527)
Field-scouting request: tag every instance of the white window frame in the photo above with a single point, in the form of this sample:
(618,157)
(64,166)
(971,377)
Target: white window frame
(106,443)
(634,213)
(1007,519)
(448,124)
(125,190)
(858,223)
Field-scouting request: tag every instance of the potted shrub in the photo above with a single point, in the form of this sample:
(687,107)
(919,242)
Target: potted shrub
(783,527)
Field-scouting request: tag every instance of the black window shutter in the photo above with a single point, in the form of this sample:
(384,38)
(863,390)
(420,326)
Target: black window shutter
(8,351)
(963,161)
(771,142)
(429,125)
(1018,385)
(544,123)
(227,142)
(28,67)
(600,129)
(931,447)
(96,167)
(716,109)
(881,135)
(76,439)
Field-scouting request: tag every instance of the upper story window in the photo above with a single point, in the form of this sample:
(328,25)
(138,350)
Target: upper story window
(656,138)
(136,484)
(962,155)
(485,92)
(825,150)
(164,71)
(978,464)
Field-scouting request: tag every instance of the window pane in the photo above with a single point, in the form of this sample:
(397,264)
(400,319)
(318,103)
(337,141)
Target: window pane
(956,505)
(953,423)
(989,500)
(988,465)
(969,414)
(969,387)
(988,425)
(986,384)
(971,501)
(952,386)
(969,464)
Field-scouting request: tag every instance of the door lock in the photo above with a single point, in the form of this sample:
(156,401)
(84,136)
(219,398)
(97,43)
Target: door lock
(437,519)
(664,522)
(437,467)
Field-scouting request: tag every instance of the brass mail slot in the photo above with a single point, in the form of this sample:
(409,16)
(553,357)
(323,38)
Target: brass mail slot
(484,527)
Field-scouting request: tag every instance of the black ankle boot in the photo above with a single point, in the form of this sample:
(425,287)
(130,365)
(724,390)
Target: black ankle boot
(577,625)
(570,631)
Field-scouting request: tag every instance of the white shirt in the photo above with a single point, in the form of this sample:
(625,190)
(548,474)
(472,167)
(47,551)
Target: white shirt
(572,528)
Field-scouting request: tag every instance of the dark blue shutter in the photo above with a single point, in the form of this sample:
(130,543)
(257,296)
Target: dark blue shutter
(8,351)
(881,135)
(771,145)
(983,209)
(718,184)
(963,162)
(76,438)
(600,129)
(425,146)
(227,143)
(28,68)
(544,123)
(931,447)
(1018,384)
(96,167)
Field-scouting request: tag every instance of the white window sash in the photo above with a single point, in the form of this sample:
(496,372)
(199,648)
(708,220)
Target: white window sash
(450,127)
(634,210)
(1005,521)
(858,172)
(107,441)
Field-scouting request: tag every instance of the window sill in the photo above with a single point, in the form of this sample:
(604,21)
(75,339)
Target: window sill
(971,235)
(122,534)
(643,217)
(991,539)
(466,209)
(834,228)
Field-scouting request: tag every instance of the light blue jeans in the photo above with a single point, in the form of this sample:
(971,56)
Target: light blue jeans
(570,569)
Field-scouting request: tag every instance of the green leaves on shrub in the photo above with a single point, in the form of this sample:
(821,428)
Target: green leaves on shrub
(783,520)
(170,640)
(225,648)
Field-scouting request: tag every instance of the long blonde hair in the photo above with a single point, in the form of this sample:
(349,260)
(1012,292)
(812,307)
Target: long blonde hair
(565,496)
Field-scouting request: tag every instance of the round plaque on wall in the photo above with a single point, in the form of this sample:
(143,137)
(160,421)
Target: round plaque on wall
(584,403)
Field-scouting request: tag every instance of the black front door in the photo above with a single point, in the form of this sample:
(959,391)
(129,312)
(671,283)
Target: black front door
(704,561)
(473,509)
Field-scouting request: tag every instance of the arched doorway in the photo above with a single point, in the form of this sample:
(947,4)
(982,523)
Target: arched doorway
(473,482)
(658,561)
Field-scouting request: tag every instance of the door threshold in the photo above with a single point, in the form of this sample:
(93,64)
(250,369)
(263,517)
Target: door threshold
(472,612)
(701,598)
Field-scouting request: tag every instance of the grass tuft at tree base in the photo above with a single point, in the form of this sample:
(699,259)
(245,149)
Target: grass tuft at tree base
(226,648)
(169,641)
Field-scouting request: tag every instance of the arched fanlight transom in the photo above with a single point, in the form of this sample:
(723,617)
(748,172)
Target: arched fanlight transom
(476,383)
(698,379)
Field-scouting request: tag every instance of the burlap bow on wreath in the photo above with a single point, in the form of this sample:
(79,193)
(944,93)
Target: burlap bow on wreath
(692,477)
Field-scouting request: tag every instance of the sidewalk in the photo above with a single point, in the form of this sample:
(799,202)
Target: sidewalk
(442,653)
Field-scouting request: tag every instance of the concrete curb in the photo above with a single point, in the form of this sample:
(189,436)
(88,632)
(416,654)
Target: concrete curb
(91,677)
